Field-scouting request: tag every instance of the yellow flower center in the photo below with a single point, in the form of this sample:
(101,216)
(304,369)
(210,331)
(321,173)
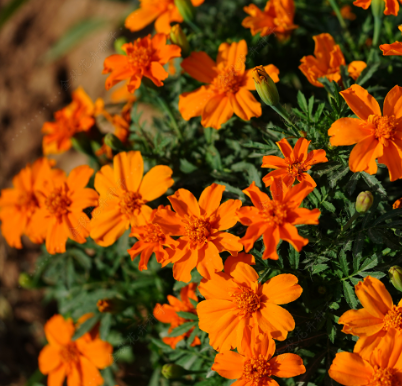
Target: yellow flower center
(130,203)
(384,127)
(273,212)
(384,377)
(197,230)
(70,353)
(227,81)
(57,203)
(247,300)
(393,319)
(255,369)
(139,56)
(153,234)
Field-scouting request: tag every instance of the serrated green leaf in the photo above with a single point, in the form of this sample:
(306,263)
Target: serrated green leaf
(319,268)
(182,329)
(187,315)
(186,166)
(301,100)
(350,296)
(328,206)
(344,262)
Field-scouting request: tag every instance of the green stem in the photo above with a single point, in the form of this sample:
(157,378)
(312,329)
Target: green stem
(169,112)
(377,7)
(194,27)
(284,114)
(350,222)
(338,13)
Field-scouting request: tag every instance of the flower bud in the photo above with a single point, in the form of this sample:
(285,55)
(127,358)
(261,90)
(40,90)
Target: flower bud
(364,202)
(265,86)
(113,306)
(172,371)
(395,275)
(186,9)
(118,44)
(178,37)
(25,281)
(113,142)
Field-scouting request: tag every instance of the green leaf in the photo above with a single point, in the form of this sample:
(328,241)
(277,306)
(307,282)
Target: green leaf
(106,322)
(155,377)
(301,99)
(319,268)
(192,336)
(253,174)
(182,329)
(369,263)
(350,296)
(232,189)
(9,9)
(328,206)
(294,257)
(367,73)
(373,183)
(335,177)
(186,166)
(82,258)
(86,326)
(344,262)
(193,302)
(386,216)
(213,158)
(187,315)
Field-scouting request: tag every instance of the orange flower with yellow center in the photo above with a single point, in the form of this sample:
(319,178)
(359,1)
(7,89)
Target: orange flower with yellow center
(79,360)
(236,300)
(254,363)
(381,366)
(376,135)
(392,49)
(201,227)
(276,219)
(277,18)
(327,61)
(295,164)
(78,116)
(124,194)
(61,213)
(376,319)
(167,313)
(145,57)
(163,12)
(151,239)
(18,204)
(227,89)
(391,6)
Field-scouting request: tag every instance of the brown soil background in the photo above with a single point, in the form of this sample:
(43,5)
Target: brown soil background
(30,92)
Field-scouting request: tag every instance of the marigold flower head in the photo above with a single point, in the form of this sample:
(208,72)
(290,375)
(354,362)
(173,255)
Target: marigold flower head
(167,313)
(327,61)
(376,319)
(227,86)
(391,6)
(277,18)
(376,135)
(78,116)
(79,360)
(201,227)
(151,239)
(144,57)
(124,194)
(236,301)
(392,49)
(397,204)
(61,213)
(18,204)
(276,219)
(295,164)
(164,12)
(254,363)
(381,366)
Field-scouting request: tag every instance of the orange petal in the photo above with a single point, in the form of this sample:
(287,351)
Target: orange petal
(393,103)
(210,199)
(278,174)
(391,7)
(362,3)
(274,162)
(184,203)
(364,154)
(392,157)
(90,375)
(209,260)
(105,183)
(56,237)
(49,359)
(245,275)
(227,214)
(282,289)
(297,194)
(287,366)
(355,68)
(79,177)
(289,233)
(192,104)
(361,102)
(229,365)
(257,197)
(348,131)
(233,55)
(316,157)
(219,287)
(391,49)
(210,311)
(200,67)
(244,105)
(128,170)
(253,233)
(59,331)
(77,225)
(170,222)
(276,321)
(183,267)
(96,351)
(56,377)
(360,323)
(350,370)
(156,182)
(140,18)
(217,111)
(232,261)
(303,215)
(324,47)
(271,240)
(225,241)
(285,147)
(366,345)
(300,150)
(165,313)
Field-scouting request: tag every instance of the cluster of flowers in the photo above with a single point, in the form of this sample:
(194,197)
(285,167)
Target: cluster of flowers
(238,312)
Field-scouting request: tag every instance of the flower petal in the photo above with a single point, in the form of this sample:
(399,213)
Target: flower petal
(59,331)
(209,260)
(229,365)
(393,103)
(140,18)
(49,359)
(183,267)
(287,366)
(200,67)
(289,233)
(217,111)
(210,199)
(192,104)
(156,182)
(360,323)
(184,203)
(231,261)
(276,321)
(244,105)
(244,274)
(128,170)
(364,154)
(282,289)
(348,131)
(392,157)
(227,214)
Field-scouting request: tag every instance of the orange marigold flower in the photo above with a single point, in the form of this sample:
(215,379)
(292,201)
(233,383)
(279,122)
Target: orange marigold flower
(376,135)
(327,61)
(397,204)
(237,300)
(201,226)
(145,57)
(167,313)
(163,11)
(295,164)
(76,117)
(381,367)
(391,6)
(124,193)
(227,89)
(61,209)
(254,363)
(346,12)
(277,18)
(18,204)
(78,360)
(151,239)
(392,49)
(376,319)
(276,219)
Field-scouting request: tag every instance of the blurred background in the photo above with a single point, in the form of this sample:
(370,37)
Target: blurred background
(47,49)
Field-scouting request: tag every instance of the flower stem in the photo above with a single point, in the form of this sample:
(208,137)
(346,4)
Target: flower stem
(377,7)
(169,112)
(284,114)
(350,222)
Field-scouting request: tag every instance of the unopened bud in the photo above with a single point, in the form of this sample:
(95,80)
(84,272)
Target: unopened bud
(395,275)
(113,306)
(265,86)
(25,281)
(186,9)
(178,37)
(172,371)
(118,44)
(113,142)
(364,202)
